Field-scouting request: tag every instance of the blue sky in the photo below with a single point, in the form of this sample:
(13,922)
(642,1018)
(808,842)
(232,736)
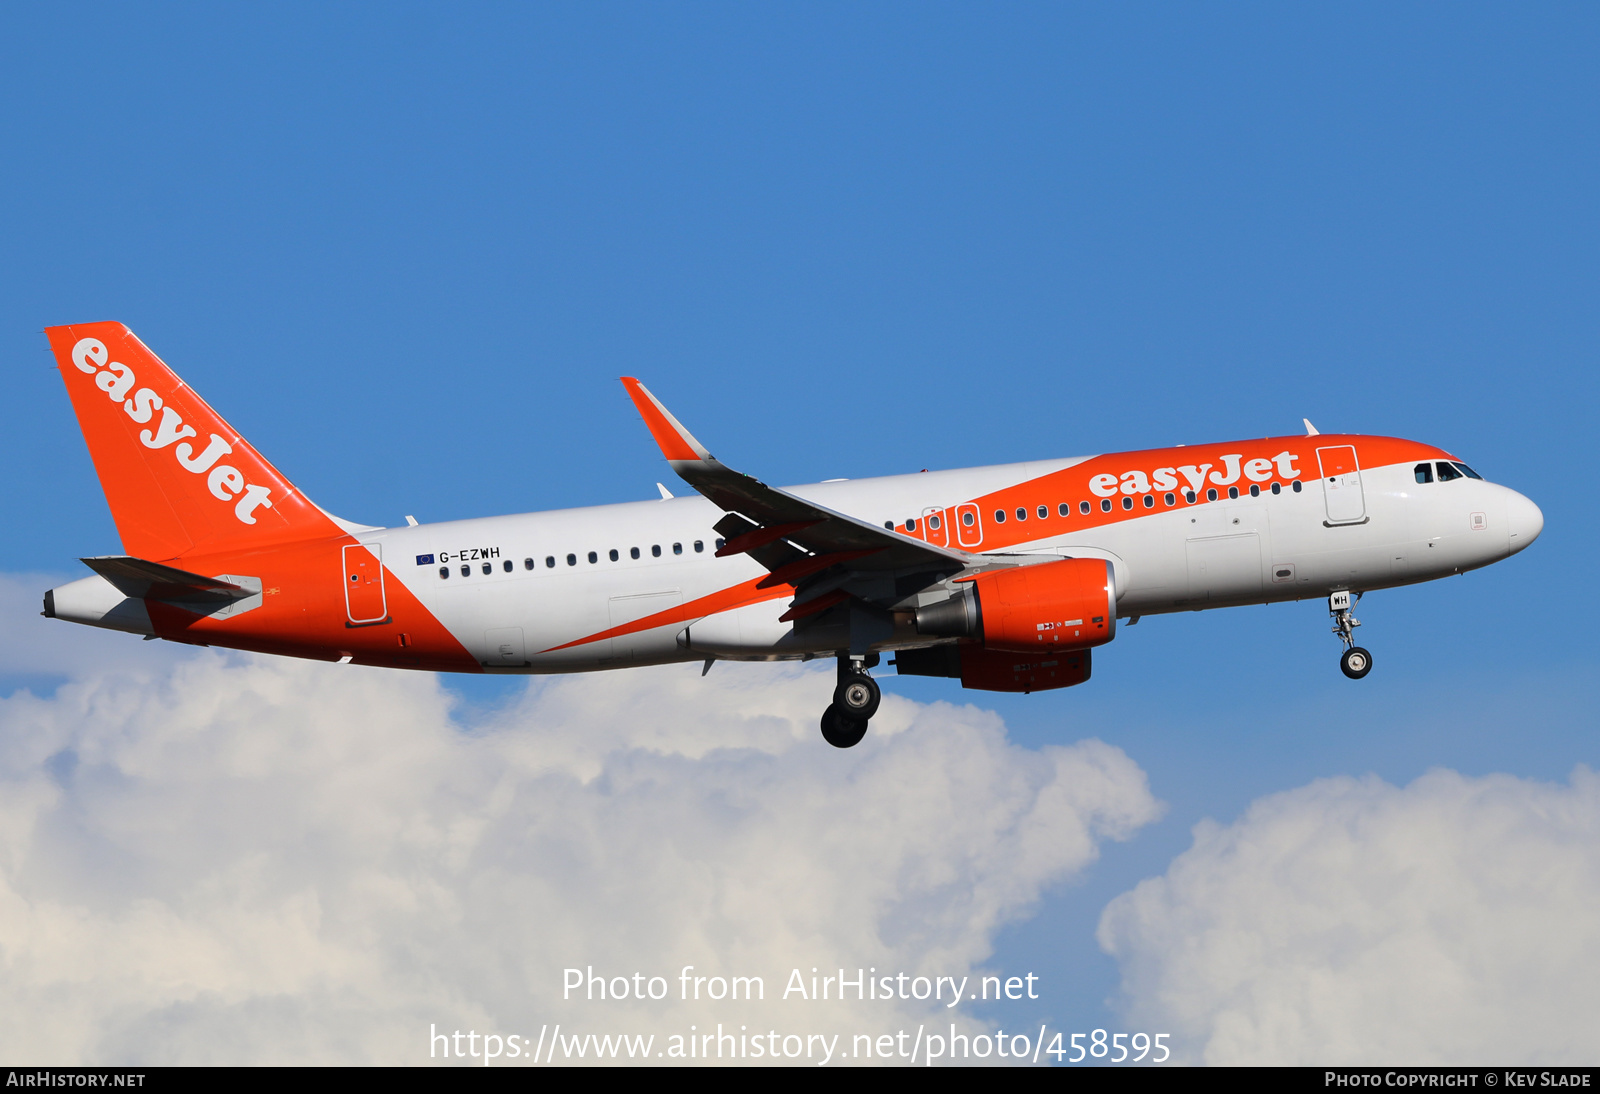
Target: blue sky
(407,251)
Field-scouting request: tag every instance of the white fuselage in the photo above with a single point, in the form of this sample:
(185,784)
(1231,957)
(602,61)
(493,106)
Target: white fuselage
(1187,557)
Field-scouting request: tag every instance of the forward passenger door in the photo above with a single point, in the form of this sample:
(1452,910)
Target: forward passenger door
(1341,485)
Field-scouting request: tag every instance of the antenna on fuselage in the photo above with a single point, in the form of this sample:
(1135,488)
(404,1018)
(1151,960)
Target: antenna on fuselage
(1311,430)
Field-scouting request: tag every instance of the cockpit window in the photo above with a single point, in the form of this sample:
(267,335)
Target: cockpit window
(1467,471)
(1447,471)
(1424,472)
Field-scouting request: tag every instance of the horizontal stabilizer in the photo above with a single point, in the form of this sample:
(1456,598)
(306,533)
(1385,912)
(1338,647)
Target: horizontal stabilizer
(141,580)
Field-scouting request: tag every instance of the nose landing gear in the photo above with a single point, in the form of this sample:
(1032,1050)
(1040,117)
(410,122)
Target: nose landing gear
(1355,662)
(855,701)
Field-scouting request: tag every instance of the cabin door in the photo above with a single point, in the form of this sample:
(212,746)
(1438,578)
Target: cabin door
(1341,485)
(363,583)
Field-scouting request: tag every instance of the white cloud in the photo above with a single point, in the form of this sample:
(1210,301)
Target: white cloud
(1352,921)
(32,644)
(239,859)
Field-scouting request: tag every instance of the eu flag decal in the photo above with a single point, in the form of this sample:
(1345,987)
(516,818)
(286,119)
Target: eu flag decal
(424,560)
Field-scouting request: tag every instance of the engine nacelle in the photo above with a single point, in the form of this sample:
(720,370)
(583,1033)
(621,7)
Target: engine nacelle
(1065,605)
(994,670)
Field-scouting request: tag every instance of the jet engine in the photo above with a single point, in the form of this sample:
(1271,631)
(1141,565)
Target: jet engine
(1051,606)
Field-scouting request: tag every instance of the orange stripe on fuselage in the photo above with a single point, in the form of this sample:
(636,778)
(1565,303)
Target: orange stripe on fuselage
(737,596)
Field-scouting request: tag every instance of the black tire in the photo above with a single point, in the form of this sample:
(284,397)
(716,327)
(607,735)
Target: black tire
(841,731)
(857,696)
(1355,662)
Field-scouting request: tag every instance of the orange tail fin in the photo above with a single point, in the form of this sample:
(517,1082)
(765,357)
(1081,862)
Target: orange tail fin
(178,478)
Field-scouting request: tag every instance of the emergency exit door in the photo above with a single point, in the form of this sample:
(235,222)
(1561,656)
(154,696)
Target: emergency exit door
(969,525)
(363,583)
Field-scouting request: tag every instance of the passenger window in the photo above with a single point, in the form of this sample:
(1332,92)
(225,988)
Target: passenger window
(466,571)
(444,573)
(1424,472)
(933,522)
(911,525)
(1188,496)
(488,568)
(1127,502)
(1105,505)
(655,550)
(1276,489)
(889,525)
(966,519)
(593,558)
(508,566)
(1170,499)
(527,564)
(1044,511)
(1063,508)
(1296,485)
(1255,491)
(999,516)
(1083,507)
(1022,514)
(613,554)
(1149,501)
(698,546)
(677,548)
(633,552)
(572,560)
(550,562)
(1233,491)
(1448,472)
(1467,471)
(721,543)
(1211,495)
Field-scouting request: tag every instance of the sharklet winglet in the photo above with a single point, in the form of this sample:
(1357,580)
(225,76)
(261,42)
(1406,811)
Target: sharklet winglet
(676,442)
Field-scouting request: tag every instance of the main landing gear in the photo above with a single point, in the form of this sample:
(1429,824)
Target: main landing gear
(855,701)
(1355,662)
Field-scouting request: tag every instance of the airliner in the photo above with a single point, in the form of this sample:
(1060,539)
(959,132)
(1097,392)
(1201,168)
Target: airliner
(1006,577)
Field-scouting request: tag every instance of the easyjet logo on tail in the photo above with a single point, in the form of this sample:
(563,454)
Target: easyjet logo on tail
(117,380)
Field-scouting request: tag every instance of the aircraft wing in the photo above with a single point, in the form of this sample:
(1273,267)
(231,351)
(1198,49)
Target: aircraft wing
(800,541)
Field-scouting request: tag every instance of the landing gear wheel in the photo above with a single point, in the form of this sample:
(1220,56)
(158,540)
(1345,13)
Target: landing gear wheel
(1355,662)
(857,696)
(841,731)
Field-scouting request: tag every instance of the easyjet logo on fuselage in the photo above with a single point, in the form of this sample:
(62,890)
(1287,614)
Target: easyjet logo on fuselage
(1166,478)
(117,380)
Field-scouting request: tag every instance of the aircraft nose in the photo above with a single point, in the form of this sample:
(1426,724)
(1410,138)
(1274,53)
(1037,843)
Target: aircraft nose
(1524,522)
